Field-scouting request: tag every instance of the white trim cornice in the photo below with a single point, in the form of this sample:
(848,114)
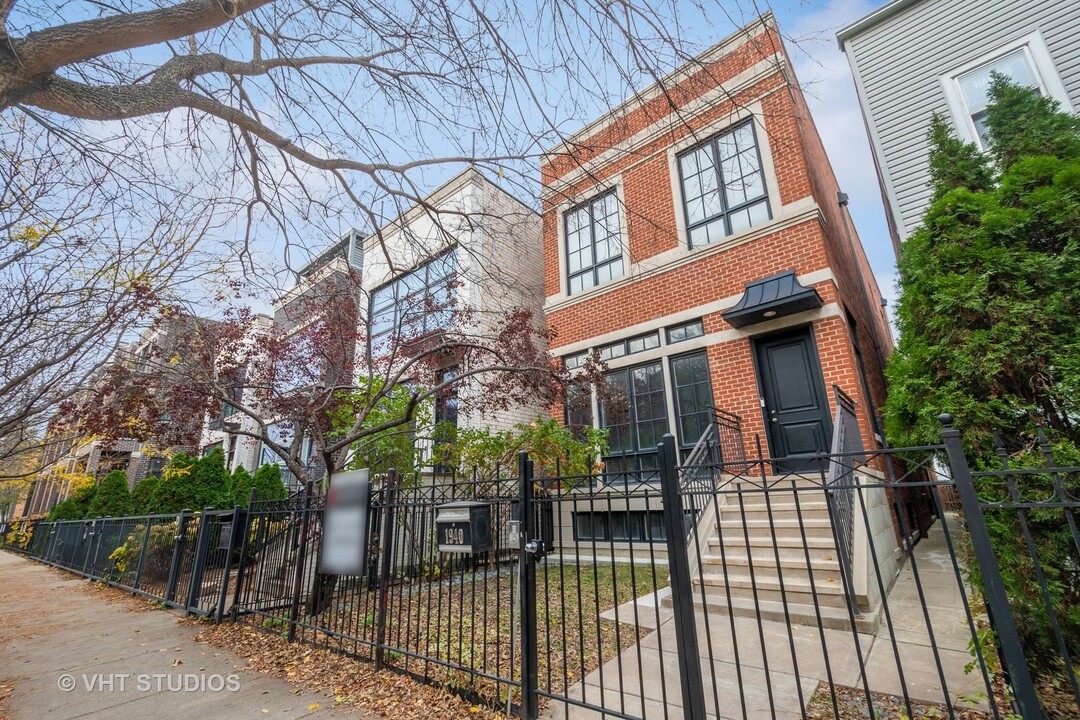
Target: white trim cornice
(559,187)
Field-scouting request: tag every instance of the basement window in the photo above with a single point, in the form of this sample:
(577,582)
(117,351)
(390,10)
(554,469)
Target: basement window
(620,526)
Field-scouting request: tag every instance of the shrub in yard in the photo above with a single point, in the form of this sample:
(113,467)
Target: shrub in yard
(241,486)
(112,498)
(989,315)
(553,447)
(76,506)
(159,551)
(267,483)
(193,483)
(142,497)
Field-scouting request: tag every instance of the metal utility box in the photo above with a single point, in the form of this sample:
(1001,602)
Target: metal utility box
(463,527)
(224,535)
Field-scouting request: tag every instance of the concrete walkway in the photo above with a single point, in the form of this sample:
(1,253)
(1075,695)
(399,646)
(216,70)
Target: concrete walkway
(69,655)
(643,682)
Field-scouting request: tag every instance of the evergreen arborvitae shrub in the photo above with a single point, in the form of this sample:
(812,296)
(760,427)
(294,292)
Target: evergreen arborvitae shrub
(989,306)
(193,484)
(76,506)
(112,498)
(142,497)
(66,510)
(241,486)
(268,484)
(989,317)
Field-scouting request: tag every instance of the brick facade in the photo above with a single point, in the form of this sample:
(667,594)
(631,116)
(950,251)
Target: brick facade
(634,150)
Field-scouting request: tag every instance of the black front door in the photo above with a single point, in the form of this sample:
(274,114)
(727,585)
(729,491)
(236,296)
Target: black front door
(793,396)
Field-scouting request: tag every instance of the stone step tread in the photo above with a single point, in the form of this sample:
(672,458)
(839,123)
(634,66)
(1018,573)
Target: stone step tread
(804,613)
(809,522)
(740,542)
(791,585)
(770,562)
(809,508)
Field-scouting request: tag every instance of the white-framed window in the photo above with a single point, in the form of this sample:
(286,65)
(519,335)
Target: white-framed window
(593,235)
(1025,61)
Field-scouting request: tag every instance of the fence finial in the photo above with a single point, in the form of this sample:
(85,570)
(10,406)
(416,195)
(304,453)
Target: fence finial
(946,420)
(1045,447)
(1000,449)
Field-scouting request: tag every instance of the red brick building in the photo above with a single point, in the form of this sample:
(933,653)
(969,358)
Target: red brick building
(696,238)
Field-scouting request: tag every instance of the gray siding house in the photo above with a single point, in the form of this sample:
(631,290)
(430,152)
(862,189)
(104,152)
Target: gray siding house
(912,58)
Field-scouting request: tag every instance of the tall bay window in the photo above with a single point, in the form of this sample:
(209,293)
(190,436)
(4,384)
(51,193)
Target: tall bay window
(634,411)
(693,397)
(593,243)
(723,186)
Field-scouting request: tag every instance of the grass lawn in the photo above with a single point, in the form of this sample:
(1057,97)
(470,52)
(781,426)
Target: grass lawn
(471,624)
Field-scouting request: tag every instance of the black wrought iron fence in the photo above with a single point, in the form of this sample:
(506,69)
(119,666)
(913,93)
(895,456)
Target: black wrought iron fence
(182,560)
(671,598)
(441,617)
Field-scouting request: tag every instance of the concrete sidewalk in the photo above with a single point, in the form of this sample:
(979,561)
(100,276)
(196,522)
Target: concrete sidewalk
(644,680)
(54,635)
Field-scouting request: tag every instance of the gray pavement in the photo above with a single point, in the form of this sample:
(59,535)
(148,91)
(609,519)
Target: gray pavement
(121,663)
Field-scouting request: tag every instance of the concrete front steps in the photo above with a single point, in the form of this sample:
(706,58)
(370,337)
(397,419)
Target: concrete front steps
(762,547)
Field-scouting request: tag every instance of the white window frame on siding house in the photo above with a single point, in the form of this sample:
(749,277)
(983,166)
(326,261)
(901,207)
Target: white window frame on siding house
(1039,62)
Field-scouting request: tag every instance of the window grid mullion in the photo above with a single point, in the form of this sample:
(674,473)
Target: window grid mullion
(592,241)
(633,411)
(725,211)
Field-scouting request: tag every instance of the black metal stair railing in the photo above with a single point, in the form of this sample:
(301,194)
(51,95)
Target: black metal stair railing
(720,449)
(845,456)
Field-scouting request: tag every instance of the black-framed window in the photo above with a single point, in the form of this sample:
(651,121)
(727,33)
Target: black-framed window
(578,409)
(686,331)
(416,303)
(723,186)
(634,411)
(639,343)
(693,396)
(593,243)
(446,401)
(446,413)
(620,526)
(573,362)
